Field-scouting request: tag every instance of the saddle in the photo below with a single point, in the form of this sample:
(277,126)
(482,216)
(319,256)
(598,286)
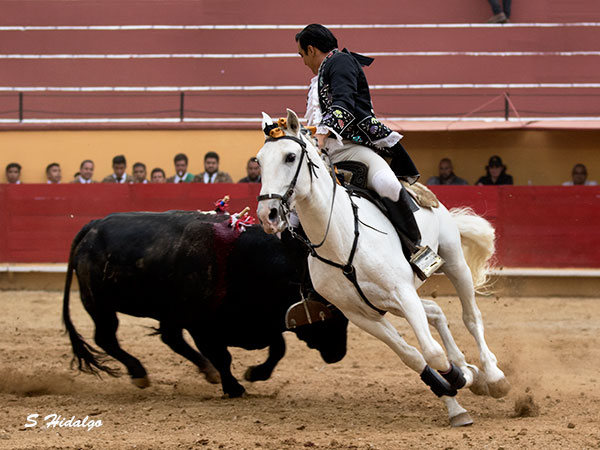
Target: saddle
(354,173)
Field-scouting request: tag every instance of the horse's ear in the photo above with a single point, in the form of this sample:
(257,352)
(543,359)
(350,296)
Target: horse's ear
(266,120)
(293,123)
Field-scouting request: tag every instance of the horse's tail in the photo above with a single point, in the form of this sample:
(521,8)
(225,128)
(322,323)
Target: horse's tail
(88,359)
(477,237)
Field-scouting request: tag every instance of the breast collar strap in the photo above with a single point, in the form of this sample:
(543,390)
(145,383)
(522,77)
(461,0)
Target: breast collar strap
(348,268)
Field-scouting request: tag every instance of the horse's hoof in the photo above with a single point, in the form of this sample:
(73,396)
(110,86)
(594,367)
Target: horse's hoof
(461,420)
(212,376)
(478,386)
(142,383)
(499,388)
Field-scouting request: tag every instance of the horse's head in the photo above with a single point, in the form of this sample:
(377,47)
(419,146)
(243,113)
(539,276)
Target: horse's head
(286,160)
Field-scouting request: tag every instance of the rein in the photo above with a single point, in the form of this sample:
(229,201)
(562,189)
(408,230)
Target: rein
(347,269)
(283,199)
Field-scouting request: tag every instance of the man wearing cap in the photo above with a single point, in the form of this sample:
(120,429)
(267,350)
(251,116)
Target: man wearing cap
(496,173)
(339,105)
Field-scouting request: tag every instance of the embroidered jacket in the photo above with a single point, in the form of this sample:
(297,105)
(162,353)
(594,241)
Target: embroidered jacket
(345,102)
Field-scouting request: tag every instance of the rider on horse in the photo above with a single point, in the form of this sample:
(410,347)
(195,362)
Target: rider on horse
(339,105)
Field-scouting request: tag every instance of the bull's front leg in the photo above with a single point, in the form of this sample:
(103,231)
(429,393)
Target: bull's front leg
(264,371)
(220,357)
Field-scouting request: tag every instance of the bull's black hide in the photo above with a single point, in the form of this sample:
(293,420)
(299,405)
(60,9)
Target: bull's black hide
(191,271)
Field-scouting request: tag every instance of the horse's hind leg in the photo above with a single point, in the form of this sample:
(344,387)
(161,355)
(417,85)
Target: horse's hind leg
(106,338)
(457,270)
(384,331)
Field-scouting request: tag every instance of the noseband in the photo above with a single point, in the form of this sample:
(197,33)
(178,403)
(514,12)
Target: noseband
(283,199)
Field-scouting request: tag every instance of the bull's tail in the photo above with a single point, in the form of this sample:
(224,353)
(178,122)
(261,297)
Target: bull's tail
(477,237)
(86,357)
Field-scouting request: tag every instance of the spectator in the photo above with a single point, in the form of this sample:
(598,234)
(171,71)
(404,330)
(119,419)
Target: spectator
(496,173)
(139,173)
(211,172)
(501,14)
(119,164)
(158,176)
(181,173)
(252,171)
(13,173)
(53,173)
(579,177)
(446,175)
(86,172)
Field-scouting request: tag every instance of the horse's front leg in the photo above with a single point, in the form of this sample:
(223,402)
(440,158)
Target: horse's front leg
(383,330)
(460,276)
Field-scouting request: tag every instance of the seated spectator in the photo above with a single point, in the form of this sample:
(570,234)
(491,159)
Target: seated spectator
(158,176)
(579,177)
(211,172)
(181,173)
(86,172)
(446,175)
(139,173)
(119,164)
(496,173)
(252,171)
(53,173)
(13,173)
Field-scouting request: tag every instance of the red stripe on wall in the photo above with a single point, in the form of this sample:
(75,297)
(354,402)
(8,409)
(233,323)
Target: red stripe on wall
(550,226)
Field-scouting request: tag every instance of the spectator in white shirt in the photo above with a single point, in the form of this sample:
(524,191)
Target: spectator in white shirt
(139,173)
(579,177)
(53,173)
(86,172)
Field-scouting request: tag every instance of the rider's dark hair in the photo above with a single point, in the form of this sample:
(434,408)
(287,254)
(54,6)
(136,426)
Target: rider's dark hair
(318,36)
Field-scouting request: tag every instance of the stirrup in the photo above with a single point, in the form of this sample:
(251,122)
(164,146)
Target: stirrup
(425,262)
(306,312)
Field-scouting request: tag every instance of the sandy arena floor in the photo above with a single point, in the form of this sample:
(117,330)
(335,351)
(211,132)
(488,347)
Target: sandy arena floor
(548,347)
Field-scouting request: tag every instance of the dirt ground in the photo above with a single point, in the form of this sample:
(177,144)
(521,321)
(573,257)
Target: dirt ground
(548,347)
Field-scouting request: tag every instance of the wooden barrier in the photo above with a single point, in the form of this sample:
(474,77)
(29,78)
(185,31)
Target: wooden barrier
(553,227)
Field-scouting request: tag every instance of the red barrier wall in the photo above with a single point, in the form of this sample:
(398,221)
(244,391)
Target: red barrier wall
(536,226)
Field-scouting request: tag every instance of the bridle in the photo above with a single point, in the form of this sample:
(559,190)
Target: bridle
(274,134)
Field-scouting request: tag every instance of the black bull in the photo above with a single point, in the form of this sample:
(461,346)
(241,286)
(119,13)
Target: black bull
(191,271)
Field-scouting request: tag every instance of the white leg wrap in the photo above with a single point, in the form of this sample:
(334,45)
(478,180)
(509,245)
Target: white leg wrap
(385,183)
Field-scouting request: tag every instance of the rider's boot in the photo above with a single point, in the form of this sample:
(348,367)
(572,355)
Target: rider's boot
(423,260)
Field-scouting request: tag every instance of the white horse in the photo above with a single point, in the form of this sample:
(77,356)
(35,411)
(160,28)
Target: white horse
(294,175)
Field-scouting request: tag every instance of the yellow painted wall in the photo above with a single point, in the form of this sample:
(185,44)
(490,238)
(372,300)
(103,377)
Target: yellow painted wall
(539,157)
(34,150)
(532,156)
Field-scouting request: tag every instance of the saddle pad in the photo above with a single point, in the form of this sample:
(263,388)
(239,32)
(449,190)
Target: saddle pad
(421,194)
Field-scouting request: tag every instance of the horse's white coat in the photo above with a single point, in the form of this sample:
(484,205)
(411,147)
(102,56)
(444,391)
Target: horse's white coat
(383,272)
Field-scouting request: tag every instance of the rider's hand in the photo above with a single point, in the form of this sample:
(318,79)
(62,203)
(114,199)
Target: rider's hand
(321,139)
